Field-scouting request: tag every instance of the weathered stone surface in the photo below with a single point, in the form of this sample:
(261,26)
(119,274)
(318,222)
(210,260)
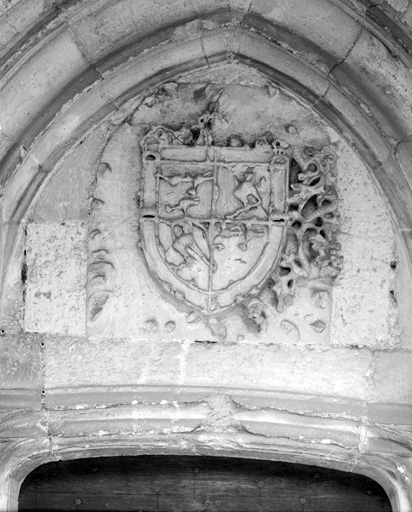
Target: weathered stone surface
(17,20)
(407,17)
(399,5)
(392,378)
(20,361)
(318,30)
(364,307)
(300,80)
(56,73)
(253,70)
(318,430)
(389,413)
(404,156)
(113,283)
(75,362)
(382,85)
(279,368)
(5,144)
(22,424)
(133,420)
(56,276)
(103,26)
(369,316)
(12,314)
(66,198)
(20,372)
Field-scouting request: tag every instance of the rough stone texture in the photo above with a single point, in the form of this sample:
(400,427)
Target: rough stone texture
(21,379)
(20,362)
(56,269)
(398,5)
(15,112)
(408,16)
(132,309)
(56,260)
(69,187)
(95,32)
(392,378)
(294,15)
(385,76)
(135,366)
(12,312)
(279,367)
(364,304)
(73,363)
(24,12)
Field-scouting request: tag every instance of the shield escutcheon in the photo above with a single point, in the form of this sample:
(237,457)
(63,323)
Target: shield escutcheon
(212,218)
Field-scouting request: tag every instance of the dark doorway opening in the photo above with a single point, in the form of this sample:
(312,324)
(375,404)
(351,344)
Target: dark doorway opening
(197,484)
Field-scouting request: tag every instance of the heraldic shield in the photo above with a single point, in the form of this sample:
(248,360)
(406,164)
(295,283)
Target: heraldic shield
(212,218)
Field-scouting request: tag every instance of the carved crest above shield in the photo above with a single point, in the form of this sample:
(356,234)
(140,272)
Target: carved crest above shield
(212,218)
(219,224)
(206,224)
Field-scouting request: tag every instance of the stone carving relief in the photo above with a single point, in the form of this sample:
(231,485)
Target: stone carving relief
(221,228)
(222,225)
(100,263)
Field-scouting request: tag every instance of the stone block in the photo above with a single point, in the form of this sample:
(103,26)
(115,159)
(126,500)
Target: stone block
(126,82)
(398,5)
(20,361)
(20,371)
(388,414)
(404,157)
(73,362)
(43,76)
(302,404)
(75,365)
(339,372)
(13,287)
(392,378)
(364,311)
(6,5)
(283,66)
(56,262)
(17,20)
(5,145)
(167,419)
(23,424)
(305,429)
(354,126)
(115,25)
(407,17)
(318,31)
(381,82)
(69,187)
(362,207)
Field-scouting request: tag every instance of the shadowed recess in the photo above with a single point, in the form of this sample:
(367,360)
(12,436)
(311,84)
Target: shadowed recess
(171,483)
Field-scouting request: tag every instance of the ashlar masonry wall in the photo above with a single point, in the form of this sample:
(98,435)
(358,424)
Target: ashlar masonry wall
(218,261)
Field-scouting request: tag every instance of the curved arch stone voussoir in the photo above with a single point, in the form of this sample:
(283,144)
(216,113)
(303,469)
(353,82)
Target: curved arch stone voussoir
(163,63)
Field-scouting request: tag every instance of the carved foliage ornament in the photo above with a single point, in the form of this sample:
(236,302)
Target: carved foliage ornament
(221,224)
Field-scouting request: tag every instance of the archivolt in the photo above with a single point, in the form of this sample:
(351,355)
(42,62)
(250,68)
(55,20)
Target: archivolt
(113,87)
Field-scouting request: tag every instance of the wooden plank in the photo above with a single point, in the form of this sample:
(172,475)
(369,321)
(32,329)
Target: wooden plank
(173,484)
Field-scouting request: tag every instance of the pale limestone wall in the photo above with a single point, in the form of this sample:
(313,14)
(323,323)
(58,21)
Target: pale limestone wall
(133,380)
(142,337)
(365,311)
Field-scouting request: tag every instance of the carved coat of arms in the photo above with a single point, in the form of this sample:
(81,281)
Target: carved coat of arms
(212,218)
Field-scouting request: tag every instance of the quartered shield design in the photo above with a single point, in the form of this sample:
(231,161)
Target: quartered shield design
(212,219)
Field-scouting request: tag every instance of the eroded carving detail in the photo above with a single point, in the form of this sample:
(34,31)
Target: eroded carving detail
(311,247)
(221,224)
(100,264)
